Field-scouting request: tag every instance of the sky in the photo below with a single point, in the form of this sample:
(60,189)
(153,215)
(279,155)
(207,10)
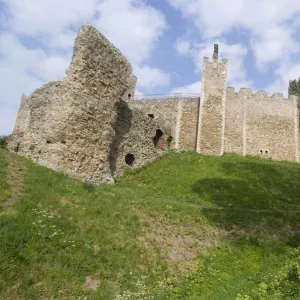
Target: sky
(165,41)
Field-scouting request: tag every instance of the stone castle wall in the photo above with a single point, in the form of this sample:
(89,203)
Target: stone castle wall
(257,124)
(91,126)
(179,115)
(23,115)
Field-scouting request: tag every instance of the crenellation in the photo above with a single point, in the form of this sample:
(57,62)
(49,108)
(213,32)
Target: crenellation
(278,97)
(246,92)
(224,61)
(261,95)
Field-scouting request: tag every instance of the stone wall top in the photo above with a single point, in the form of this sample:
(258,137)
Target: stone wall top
(259,95)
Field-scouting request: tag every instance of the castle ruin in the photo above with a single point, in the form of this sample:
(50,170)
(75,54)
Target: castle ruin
(90,125)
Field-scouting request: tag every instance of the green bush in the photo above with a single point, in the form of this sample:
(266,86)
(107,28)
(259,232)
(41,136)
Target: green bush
(3,142)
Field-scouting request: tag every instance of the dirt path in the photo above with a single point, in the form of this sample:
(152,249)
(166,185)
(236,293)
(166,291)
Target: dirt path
(15,179)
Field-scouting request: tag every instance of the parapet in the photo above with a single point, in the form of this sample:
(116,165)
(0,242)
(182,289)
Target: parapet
(258,95)
(278,96)
(261,94)
(245,92)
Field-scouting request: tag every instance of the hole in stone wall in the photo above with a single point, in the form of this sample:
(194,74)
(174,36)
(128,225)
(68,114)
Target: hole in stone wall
(129,159)
(260,151)
(151,116)
(63,142)
(17,148)
(158,140)
(169,140)
(129,96)
(31,147)
(49,142)
(266,152)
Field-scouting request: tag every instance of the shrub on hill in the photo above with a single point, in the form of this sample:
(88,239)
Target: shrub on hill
(3,141)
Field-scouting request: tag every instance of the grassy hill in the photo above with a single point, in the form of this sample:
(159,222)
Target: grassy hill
(184,227)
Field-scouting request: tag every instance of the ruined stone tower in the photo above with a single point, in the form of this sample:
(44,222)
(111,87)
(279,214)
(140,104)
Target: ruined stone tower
(211,123)
(82,125)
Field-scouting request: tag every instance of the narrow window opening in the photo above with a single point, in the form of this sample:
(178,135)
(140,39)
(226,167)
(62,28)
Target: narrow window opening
(17,148)
(48,142)
(266,152)
(129,96)
(158,140)
(129,159)
(260,151)
(151,116)
(169,141)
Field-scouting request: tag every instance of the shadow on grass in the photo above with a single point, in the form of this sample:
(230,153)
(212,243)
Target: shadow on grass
(265,196)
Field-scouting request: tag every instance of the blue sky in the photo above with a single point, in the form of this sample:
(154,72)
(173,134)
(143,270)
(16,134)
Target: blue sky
(165,41)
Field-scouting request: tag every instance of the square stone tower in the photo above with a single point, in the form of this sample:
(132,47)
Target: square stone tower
(211,124)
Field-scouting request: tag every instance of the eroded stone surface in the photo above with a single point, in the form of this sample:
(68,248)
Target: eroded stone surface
(82,125)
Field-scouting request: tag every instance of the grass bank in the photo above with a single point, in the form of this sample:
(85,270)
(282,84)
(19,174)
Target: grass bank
(184,227)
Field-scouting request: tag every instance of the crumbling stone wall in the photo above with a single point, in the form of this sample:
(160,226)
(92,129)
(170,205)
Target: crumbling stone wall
(135,132)
(74,124)
(179,115)
(23,115)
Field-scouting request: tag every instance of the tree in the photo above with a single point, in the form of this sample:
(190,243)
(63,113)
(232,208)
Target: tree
(294,87)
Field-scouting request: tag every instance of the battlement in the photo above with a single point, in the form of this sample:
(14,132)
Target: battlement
(258,95)
(206,61)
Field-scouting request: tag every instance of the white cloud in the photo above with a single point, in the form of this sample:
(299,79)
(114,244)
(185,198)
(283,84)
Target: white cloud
(193,88)
(50,17)
(132,26)
(274,44)
(183,46)
(235,53)
(265,20)
(39,37)
(286,72)
(148,77)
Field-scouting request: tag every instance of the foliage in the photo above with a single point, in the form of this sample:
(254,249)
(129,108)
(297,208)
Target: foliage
(284,284)
(294,87)
(4,186)
(3,141)
(89,187)
(62,230)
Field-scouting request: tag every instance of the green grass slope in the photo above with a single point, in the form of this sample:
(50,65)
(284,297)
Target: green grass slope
(184,227)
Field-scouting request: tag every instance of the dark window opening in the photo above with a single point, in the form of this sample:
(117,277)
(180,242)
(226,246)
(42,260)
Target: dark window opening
(151,116)
(48,142)
(169,140)
(63,142)
(261,152)
(129,96)
(266,152)
(158,139)
(17,148)
(129,159)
